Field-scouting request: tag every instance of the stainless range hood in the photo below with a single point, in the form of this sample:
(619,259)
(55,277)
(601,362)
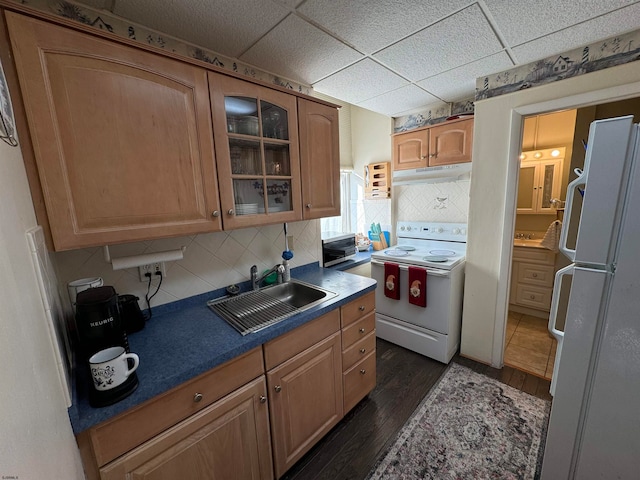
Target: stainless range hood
(443,173)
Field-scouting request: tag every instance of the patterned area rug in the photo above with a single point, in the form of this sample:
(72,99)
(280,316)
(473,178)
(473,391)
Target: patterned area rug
(469,426)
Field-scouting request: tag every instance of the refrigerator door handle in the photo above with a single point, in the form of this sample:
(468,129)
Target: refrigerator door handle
(555,300)
(571,189)
(553,316)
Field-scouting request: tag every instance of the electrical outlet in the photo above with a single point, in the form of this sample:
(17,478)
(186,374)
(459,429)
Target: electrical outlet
(153,268)
(290,242)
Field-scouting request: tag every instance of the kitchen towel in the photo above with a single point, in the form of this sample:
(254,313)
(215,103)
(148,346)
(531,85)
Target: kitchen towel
(418,286)
(551,238)
(392,280)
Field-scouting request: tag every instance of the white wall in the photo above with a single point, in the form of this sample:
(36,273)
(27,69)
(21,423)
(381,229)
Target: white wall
(36,440)
(497,134)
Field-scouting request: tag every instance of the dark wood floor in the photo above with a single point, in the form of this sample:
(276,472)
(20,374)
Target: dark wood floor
(351,449)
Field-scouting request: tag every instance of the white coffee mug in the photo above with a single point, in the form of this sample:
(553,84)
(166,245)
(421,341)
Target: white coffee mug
(110,367)
(81,285)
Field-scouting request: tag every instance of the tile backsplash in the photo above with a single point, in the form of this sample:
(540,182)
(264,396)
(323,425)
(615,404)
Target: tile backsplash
(433,202)
(211,261)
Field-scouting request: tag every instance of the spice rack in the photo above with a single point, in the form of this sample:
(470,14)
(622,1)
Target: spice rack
(377,180)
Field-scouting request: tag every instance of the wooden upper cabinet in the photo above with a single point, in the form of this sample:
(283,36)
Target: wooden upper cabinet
(450,142)
(410,149)
(122,137)
(319,159)
(257,151)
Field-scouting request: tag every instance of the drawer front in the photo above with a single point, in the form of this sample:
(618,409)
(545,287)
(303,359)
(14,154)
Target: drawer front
(357,331)
(541,275)
(355,310)
(358,351)
(290,344)
(130,429)
(359,381)
(534,297)
(534,255)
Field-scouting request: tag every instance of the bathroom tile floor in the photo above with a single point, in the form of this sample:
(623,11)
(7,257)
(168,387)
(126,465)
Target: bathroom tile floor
(529,346)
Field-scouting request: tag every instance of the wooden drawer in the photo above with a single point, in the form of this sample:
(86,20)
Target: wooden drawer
(359,380)
(355,310)
(358,330)
(358,350)
(534,255)
(290,344)
(114,437)
(541,275)
(533,296)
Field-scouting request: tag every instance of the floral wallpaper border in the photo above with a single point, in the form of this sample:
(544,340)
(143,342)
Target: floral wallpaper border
(103,20)
(607,53)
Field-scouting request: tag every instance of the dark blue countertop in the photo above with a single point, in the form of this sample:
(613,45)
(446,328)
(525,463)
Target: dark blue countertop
(360,258)
(184,339)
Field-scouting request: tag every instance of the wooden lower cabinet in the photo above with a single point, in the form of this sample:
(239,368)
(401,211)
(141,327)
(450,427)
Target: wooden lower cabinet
(306,400)
(228,439)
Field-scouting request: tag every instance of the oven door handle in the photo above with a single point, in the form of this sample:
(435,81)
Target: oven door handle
(433,272)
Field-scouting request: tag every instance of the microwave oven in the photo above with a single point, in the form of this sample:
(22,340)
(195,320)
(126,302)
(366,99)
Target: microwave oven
(337,247)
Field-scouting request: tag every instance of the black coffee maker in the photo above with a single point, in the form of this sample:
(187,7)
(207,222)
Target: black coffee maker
(99,325)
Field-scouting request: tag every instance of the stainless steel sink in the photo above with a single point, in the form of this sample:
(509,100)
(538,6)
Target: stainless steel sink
(252,311)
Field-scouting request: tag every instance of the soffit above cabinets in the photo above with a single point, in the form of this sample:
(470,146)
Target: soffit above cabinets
(390,56)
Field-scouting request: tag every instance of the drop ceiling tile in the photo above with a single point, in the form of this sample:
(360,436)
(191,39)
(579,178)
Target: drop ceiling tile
(522,20)
(456,40)
(353,84)
(228,28)
(460,83)
(400,100)
(298,50)
(577,36)
(370,26)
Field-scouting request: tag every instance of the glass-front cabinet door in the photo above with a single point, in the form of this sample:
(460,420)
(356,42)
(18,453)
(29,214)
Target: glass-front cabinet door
(257,152)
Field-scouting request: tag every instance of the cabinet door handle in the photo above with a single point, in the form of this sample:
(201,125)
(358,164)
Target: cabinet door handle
(532,297)
(361,308)
(308,205)
(277,388)
(534,275)
(433,155)
(230,212)
(361,330)
(197,397)
(263,399)
(363,371)
(215,213)
(363,350)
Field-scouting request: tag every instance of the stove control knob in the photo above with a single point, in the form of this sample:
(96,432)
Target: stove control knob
(456,231)
(463,231)
(439,230)
(402,228)
(408,228)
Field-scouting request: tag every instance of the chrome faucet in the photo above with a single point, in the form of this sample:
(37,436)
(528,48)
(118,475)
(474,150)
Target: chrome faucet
(255,281)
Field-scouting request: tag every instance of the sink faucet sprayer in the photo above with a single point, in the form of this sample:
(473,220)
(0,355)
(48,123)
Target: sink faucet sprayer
(255,281)
(286,256)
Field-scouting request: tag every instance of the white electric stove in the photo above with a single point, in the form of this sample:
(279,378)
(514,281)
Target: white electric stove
(440,249)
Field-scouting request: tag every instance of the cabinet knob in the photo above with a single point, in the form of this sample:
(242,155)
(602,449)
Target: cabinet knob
(361,330)
(363,350)
(263,399)
(277,388)
(363,371)
(197,397)
(230,212)
(215,213)
(361,308)
(534,275)
(432,155)
(308,205)
(424,156)
(532,297)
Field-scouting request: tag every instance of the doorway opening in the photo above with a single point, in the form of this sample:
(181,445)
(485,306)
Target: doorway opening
(528,345)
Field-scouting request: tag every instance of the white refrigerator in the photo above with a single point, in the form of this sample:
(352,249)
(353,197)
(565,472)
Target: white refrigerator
(594,428)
